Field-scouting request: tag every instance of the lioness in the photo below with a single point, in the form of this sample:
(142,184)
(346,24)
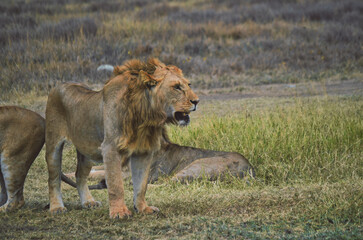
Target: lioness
(21,139)
(184,164)
(125,120)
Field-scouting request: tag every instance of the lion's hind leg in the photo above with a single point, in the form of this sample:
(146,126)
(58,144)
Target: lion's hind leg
(54,161)
(12,182)
(84,167)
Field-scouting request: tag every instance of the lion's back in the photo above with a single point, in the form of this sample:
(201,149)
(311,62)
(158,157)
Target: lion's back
(75,112)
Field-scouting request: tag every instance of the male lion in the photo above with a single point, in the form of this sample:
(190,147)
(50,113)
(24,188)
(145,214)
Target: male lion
(125,120)
(21,139)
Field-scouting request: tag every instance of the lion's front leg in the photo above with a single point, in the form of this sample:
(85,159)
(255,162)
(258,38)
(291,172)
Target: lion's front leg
(115,187)
(140,168)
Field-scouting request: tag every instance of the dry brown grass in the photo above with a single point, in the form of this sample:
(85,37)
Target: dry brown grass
(281,41)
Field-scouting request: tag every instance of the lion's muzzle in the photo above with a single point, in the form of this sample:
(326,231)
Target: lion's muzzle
(194,102)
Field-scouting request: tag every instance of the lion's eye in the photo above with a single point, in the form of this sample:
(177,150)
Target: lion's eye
(177,87)
(189,84)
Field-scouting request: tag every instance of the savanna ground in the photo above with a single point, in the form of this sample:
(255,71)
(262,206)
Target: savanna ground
(280,82)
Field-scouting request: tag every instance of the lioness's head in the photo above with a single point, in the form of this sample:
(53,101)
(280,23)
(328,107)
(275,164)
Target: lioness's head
(174,89)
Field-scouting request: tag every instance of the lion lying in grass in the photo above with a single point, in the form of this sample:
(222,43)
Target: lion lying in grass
(183,164)
(21,139)
(124,121)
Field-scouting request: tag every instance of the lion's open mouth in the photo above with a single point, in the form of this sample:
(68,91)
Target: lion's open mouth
(182,118)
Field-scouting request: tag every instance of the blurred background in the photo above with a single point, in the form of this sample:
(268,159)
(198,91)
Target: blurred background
(216,43)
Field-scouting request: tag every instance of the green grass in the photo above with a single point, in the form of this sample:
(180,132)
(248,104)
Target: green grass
(307,153)
(308,140)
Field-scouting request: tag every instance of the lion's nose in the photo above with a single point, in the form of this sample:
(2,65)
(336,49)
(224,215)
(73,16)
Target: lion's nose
(195,102)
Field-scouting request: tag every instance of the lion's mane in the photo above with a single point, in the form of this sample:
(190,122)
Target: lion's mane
(143,115)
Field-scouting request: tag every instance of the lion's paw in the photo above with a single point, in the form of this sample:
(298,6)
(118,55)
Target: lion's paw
(120,213)
(58,210)
(91,204)
(10,206)
(149,210)
(4,208)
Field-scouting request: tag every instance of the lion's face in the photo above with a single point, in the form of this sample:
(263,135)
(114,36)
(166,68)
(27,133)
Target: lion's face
(180,99)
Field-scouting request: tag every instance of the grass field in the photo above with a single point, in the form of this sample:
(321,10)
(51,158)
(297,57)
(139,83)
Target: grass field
(308,158)
(266,74)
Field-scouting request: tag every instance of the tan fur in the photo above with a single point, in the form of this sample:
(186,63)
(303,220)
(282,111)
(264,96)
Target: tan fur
(21,138)
(125,120)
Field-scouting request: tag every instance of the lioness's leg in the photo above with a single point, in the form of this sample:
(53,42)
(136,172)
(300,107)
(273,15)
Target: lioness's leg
(54,161)
(115,187)
(140,168)
(84,167)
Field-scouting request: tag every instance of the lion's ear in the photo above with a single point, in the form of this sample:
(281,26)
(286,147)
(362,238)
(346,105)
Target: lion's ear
(147,79)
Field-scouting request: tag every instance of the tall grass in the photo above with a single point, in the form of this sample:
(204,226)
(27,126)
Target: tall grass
(310,141)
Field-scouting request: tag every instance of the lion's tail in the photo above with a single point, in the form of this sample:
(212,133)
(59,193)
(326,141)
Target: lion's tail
(106,67)
(100,185)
